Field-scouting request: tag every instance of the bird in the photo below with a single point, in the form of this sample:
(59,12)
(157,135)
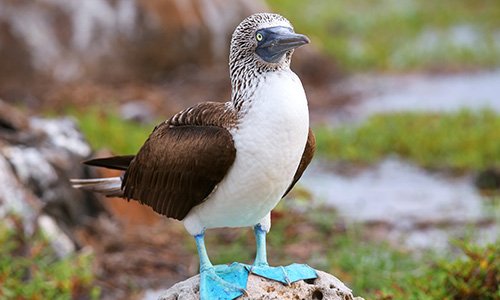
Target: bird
(228,164)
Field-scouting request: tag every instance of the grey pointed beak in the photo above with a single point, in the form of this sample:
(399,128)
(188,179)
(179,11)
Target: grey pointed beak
(276,41)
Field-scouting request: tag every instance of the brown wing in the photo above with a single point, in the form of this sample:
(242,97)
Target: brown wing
(182,161)
(306,159)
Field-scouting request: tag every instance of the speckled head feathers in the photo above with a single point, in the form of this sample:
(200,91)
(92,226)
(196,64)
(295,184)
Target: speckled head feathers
(243,42)
(261,43)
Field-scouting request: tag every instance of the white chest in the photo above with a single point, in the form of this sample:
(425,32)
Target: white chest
(272,135)
(269,141)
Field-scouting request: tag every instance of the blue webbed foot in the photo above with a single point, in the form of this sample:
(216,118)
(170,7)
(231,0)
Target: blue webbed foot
(223,282)
(219,282)
(285,274)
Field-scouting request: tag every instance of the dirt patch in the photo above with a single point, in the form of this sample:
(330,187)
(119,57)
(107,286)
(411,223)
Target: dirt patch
(132,257)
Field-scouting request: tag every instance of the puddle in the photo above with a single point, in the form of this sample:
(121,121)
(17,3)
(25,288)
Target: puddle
(424,209)
(425,93)
(436,44)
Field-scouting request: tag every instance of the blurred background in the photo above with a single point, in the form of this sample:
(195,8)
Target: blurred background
(402,200)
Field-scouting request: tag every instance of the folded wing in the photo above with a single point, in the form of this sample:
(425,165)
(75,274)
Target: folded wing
(179,165)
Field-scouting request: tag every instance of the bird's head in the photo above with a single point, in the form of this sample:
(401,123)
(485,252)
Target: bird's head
(264,42)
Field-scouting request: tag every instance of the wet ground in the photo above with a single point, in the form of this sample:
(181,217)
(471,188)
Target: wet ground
(412,205)
(419,92)
(409,204)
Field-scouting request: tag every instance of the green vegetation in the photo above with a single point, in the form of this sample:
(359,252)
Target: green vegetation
(29,269)
(460,141)
(110,131)
(476,275)
(400,35)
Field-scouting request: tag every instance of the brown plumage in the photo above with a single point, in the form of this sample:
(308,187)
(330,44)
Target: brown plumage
(114,162)
(174,179)
(164,175)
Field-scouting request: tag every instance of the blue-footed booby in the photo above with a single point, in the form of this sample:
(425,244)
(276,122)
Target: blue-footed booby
(228,164)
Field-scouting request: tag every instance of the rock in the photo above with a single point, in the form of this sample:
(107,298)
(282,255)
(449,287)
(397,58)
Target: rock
(326,287)
(37,159)
(51,45)
(488,180)
(68,40)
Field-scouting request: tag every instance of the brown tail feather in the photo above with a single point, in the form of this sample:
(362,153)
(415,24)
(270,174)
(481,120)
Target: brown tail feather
(114,162)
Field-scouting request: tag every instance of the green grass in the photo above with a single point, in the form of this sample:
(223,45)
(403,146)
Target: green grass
(400,35)
(105,129)
(29,269)
(459,141)
(473,275)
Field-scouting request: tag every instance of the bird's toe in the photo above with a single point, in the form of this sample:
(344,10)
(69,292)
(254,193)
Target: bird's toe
(223,282)
(284,274)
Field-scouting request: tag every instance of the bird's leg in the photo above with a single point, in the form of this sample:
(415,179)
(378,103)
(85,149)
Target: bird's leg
(260,239)
(205,263)
(286,274)
(219,282)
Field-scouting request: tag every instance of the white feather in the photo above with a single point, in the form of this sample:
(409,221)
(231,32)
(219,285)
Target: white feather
(269,140)
(108,186)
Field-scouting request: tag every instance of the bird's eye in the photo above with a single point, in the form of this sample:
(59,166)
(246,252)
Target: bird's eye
(259,36)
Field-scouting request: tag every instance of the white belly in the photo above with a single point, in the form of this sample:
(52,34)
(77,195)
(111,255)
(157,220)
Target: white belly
(269,141)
